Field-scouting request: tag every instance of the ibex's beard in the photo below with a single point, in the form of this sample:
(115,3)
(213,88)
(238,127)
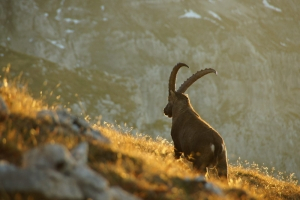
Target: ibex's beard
(168,110)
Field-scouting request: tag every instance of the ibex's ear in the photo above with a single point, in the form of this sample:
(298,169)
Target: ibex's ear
(172,93)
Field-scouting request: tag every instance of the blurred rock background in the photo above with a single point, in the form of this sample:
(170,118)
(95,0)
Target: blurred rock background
(111,60)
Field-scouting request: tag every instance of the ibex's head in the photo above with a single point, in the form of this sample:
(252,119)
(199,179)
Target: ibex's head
(177,95)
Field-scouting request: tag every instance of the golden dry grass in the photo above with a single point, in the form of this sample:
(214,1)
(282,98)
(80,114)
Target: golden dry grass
(139,164)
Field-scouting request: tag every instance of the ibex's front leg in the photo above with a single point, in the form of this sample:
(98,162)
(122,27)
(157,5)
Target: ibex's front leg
(177,148)
(177,153)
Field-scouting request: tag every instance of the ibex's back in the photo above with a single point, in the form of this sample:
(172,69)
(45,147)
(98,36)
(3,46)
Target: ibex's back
(191,135)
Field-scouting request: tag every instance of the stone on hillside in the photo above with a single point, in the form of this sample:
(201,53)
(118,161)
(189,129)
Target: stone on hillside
(80,153)
(4,111)
(92,185)
(208,186)
(45,116)
(42,184)
(213,189)
(51,171)
(55,157)
(97,135)
(49,156)
(62,118)
(119,194)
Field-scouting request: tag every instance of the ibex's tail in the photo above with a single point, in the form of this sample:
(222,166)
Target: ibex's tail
(221,161)
(219,148)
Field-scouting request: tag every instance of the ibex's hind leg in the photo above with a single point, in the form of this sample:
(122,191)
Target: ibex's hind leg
(212,173)
(200,165)
(222,166)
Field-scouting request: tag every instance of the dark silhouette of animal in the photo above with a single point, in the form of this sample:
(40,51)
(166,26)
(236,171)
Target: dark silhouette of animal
(192,136)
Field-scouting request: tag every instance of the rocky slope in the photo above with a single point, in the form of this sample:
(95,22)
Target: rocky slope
(48,153)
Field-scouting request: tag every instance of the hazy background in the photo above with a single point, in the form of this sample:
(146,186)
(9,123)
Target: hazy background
(112,59)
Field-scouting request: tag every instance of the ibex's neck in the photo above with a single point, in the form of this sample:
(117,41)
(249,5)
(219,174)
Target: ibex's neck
(178,110)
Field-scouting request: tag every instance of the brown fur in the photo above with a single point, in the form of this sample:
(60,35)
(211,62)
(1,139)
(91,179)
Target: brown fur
(194,137)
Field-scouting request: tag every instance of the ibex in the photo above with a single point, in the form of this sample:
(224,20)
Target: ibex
(192,136)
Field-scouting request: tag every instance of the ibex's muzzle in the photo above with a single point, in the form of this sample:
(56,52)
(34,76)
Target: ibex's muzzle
(168,110)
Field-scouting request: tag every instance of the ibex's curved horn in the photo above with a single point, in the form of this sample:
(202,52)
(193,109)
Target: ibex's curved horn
(193,78)
(173,74)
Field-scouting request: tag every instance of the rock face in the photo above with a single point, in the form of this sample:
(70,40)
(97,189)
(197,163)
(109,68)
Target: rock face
(52,172)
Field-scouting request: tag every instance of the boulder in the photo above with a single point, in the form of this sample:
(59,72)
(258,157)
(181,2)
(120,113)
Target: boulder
(50,119)
(118,193)
(62,167)
(92,185)
(43,184)
(49,156)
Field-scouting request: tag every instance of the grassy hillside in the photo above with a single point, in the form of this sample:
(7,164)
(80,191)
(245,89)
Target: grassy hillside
(139,164)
